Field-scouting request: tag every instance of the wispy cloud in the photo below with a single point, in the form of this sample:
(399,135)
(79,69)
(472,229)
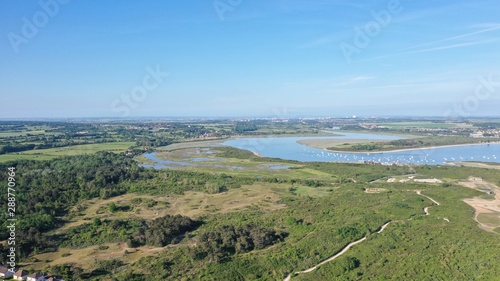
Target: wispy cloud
(327,40)
(318,5)
(461,41)
(496,27)
(356,79)
(459,45)
(486,25)
(328,84)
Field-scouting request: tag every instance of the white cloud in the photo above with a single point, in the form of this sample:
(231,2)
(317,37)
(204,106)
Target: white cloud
(318,42)
(496,27)
(355,80)
(459,45)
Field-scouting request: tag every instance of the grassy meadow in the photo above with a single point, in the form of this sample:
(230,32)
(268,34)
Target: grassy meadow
(101,216)
(51,153)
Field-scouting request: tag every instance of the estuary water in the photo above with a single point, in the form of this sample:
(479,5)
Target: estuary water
(288,148)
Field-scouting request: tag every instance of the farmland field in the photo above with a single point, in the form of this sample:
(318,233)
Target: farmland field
(50,153)
(156,210)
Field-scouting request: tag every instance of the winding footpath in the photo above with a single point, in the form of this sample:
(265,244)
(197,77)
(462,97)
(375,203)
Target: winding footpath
(346,248)
(426,209)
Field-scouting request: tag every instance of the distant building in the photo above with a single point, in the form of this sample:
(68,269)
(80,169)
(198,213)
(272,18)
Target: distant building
(5,272)
(35,277)
(20,275)
(53,278)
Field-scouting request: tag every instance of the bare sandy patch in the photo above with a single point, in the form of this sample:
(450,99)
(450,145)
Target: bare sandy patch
(259,196)
(192,204)
(480,165)
(428,180)
(85,257)
(99,208)
(375,190)
(487,210)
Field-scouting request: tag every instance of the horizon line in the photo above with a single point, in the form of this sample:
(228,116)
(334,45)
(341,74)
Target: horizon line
(248,117)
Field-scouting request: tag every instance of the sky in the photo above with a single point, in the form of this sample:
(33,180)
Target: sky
(273,58)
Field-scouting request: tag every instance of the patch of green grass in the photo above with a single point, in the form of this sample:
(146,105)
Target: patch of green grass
(422,125)
(47,154)
(19,156)
(18,134)
(489,219)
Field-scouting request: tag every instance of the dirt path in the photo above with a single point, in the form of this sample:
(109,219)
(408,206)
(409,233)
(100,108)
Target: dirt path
(426,209)
(420,193)
(346,248)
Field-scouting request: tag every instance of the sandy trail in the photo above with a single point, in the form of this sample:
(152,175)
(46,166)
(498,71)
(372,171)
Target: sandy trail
(420,193)
(426,209)
(346,248)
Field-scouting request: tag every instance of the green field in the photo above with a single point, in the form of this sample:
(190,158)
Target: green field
(319,207)
(101,216)
(47,154)
(19,134)
(423,125)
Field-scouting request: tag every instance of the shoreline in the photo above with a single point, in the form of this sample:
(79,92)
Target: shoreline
(369,132)
(405,149)
(256,154)
(218,142)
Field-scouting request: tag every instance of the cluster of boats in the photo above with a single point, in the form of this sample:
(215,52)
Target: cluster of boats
(426,156)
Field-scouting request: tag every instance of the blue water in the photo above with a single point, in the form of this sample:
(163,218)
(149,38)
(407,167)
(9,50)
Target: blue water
(169,164)
(274,167)
(162,163)
(288,148)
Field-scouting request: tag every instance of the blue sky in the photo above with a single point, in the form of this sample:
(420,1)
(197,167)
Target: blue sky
(254,58)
